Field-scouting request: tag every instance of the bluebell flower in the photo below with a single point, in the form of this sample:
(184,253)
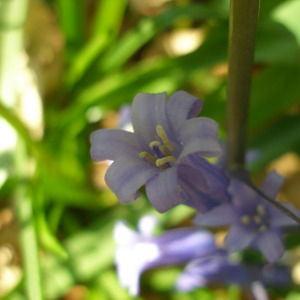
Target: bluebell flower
(220,270)
(271,275)
(140,251)
(253,221)
(167,152)
(210,271)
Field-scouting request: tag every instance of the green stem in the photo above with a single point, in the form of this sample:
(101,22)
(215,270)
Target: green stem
(242,31)
(20,128)
(12,17)
(29,244)
(27,220)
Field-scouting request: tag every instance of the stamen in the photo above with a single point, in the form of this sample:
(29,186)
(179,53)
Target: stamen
(159,149)
(162,161)
(163,136)
(154,144)
(257,219)
(262,228)
(147,156)
(245,220)
(260,209)
(163,150)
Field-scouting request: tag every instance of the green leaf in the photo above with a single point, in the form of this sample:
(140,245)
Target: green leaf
(90,252)
(20,128)
(148,76)
(67,191)
(268,6)
(278,139)
(71,14)
(148,28)
(275,44)
(47,238)
(108,19)
(109,283)
(288,15)
(293,295)
(274,90)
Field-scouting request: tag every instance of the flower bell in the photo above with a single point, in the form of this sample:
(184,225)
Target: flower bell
(166,152)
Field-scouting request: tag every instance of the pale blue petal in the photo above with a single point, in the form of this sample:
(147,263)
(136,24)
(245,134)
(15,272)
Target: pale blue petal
(258,290)
(272,184)
(148,111)
(123,235)
(243,197)
(193,236)
(147,225)
(180,107)
(204,186)
(163,190)
(211,270)
(187,282)
(181,245)
(219,216)
(238,238)
(279,219)
(127,174)
(196,189)
(129,268)
(200,135)
(271,245)
(112,143)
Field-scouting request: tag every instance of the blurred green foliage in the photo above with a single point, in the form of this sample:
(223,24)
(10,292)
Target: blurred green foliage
(106,61)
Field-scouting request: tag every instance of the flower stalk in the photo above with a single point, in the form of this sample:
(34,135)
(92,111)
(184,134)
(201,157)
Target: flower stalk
(242,31)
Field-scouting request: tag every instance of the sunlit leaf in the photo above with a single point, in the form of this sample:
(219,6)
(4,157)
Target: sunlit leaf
(288,14)
(108,18)
(274,90)
(278,139)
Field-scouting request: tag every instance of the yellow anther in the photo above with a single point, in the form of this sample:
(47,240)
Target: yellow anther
(260,209)
(162,161)
(163,136)
(262,228)
(164,151)
(245,220)
(154,144)
(147,156)
(161,148)
(257,219)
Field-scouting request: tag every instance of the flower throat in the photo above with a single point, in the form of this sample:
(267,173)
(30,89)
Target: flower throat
(163,157)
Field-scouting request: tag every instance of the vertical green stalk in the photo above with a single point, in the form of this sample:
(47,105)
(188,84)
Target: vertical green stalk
(242,32)
(12,17)
(28,236)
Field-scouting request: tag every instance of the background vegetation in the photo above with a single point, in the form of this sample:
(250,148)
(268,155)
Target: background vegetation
(66,68)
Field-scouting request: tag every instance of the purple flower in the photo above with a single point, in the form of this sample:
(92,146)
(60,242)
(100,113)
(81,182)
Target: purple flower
(166,151)
(271,275)
(219,270)
(212,270)
(253,221)
(140,251)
